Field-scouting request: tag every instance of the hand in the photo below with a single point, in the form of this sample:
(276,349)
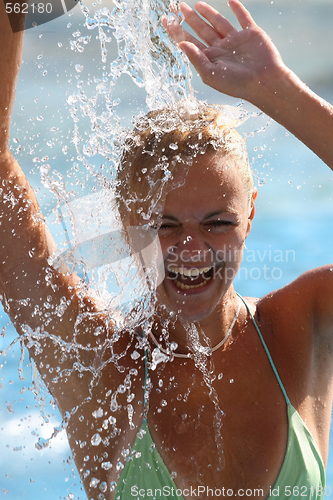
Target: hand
(237,63)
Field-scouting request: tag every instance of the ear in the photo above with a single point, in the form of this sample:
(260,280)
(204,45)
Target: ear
(252,211)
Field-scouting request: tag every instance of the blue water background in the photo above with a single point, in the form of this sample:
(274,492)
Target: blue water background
(292,231)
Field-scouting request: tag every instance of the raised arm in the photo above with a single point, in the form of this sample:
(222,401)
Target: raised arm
(44,305)
(247,65)
(25,243)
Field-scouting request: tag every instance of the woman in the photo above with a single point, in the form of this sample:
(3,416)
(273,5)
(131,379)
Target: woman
(224,412)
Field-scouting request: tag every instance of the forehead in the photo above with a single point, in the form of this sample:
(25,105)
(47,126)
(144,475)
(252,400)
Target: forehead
(212,181)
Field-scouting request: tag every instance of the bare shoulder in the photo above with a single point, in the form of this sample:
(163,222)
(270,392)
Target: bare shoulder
(299,314)
(296,322)
(308,300)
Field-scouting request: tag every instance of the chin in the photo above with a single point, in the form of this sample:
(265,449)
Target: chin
(191,307)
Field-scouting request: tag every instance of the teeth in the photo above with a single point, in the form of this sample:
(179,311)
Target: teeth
(188,287)
(193,272)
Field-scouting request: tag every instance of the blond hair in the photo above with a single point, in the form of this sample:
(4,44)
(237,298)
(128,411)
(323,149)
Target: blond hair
(165,138)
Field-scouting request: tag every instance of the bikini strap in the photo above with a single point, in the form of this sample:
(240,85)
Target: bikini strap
(267,352)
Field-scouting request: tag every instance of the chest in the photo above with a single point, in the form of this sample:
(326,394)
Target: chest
(224,424)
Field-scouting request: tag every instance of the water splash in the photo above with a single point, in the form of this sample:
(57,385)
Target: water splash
(146,54)
(205,364)
(145,51)
(156,65)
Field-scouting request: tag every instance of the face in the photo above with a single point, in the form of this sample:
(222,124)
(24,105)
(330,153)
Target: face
(202,234)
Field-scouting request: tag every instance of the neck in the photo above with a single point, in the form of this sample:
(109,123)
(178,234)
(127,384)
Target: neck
(211,330)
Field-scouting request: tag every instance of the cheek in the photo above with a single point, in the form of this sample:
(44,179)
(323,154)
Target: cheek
(229,251)
(168,251)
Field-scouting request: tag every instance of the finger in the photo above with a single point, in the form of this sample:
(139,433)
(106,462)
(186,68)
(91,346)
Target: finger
(178,34)
(197,57)
(243,15)
(204,31)
(220,23)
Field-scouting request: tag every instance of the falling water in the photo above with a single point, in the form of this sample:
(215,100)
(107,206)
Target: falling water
(83,228)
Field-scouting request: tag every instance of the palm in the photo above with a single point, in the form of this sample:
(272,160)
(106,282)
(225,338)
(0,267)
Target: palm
(234,64)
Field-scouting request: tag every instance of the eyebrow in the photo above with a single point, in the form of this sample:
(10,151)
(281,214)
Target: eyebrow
(213,214)
(208,216)
(170,217)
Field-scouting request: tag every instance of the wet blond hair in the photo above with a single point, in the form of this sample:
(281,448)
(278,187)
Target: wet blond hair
(166,138)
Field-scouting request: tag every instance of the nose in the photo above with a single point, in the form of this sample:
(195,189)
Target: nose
(192,245)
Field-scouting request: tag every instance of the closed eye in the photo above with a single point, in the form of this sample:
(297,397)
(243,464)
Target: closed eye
(167,227)
(218,225)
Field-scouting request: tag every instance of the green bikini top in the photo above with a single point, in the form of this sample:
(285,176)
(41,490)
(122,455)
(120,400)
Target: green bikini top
(302,473)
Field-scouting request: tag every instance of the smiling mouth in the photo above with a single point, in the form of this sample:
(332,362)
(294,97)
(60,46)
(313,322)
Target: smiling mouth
(190,278)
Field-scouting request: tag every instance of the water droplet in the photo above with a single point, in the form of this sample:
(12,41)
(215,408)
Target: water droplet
(59,44)
(171,18)
(9,406)
(173,346)
(78,68)
(130,398)
(65,150)
(220,376)
(113,405)
(261,181)
(113,485)
(231,381)
(158,357)
(94,482)
(42,443)
(103,486)
(96,439)
(106,465)
(173,146)
(44,72)
(135,355)
(98,413)
(119,466)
